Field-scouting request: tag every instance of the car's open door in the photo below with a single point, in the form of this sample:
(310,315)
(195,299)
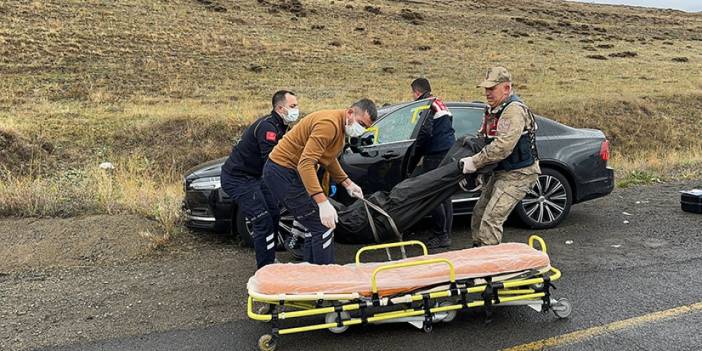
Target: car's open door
(380,161)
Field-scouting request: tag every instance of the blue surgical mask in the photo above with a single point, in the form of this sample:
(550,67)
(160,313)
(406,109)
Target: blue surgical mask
(292,116)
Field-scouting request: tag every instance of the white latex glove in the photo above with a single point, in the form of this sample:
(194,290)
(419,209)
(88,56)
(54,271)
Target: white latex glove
(354,190)
(468,165)
(327,214)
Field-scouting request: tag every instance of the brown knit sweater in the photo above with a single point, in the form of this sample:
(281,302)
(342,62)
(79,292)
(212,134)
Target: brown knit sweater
(316,139)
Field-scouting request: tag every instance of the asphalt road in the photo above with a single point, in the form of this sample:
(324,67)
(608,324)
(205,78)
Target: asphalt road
(632,269)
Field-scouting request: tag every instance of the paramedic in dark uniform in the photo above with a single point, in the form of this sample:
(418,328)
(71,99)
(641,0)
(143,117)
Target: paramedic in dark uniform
(435,138)
(241,173)
(509,129)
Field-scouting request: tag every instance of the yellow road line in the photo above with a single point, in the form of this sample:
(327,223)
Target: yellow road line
(582,335)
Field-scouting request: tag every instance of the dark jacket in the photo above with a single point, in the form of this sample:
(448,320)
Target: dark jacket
(436,134)
(251,152)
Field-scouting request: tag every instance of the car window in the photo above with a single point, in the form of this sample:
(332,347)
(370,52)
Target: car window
(398,125)
(466,120)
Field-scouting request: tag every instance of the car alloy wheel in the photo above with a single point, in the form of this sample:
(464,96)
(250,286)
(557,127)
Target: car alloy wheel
(548,202)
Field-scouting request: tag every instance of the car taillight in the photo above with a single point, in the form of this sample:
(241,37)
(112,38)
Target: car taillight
(604,150)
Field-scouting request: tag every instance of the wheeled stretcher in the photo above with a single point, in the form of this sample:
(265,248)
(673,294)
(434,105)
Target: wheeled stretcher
(420,290)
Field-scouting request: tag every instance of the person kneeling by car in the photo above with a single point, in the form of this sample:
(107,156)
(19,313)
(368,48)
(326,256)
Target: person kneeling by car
(241,173)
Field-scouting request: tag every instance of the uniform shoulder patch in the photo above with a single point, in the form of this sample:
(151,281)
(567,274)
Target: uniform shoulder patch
(270,136)
(503,125)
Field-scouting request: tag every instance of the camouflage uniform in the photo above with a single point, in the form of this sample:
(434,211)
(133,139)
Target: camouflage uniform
(506,187)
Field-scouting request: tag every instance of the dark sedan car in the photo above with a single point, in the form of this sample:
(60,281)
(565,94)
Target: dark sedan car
(573,163)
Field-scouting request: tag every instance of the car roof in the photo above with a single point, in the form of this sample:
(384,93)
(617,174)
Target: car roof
(385,109)
(474,104)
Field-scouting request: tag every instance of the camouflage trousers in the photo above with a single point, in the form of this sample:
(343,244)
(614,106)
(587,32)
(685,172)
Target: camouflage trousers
(499,197)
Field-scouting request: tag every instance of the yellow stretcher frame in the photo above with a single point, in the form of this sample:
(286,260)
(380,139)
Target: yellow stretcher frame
(533,290)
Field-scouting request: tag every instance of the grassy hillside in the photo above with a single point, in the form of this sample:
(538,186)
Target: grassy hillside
(158,86)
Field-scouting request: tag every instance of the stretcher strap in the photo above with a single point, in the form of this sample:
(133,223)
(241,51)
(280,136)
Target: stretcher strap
(372,225)
(547,292)
(380,210)
(427,312)
(274,321)
(364,316)
(489,295)
(338,308)
(464,301)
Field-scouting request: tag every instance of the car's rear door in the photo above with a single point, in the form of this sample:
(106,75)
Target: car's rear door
(383,164)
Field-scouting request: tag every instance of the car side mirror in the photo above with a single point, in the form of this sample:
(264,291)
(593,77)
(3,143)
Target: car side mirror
(367,139)
(356,144)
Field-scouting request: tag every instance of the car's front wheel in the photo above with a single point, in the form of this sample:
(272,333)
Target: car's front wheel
(285,237)
(243,229)
(548,203)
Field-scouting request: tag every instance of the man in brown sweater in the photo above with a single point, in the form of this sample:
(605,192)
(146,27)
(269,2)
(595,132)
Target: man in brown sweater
(291,171)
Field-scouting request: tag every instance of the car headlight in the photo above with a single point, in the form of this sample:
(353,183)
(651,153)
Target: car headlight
(209,183)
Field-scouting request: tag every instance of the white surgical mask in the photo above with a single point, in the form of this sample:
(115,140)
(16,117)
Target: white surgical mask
(354,130)
(292,116)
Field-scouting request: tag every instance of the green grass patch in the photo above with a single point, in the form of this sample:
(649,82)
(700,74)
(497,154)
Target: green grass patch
(635,178)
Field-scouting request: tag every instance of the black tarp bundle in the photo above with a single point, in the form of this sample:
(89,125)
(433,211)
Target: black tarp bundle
(407,202)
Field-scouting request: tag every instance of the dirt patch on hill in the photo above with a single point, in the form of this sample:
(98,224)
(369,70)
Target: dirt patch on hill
(18,152)
(31,243)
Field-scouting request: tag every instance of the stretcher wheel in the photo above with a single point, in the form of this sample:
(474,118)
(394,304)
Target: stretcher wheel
(562,308)
(264,309)
(266,343)
(331,318)
(450,315)
(427,327)
(537,287)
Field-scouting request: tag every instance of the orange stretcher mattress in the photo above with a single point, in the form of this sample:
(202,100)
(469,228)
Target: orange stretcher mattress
(305,278)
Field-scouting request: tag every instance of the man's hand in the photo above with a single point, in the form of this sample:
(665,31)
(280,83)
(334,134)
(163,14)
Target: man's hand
(353,189)
(468,165)
(327,214)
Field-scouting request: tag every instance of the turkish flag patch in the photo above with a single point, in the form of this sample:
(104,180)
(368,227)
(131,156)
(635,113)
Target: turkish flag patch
(270,136)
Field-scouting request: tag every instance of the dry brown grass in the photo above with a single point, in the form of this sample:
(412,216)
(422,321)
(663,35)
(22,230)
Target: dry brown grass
(160,86)
(130,188)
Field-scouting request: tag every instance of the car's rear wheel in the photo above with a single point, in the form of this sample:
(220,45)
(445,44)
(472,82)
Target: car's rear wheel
(548,203)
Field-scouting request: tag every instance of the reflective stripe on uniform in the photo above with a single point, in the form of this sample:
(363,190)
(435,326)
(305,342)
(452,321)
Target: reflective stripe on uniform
(326,234)
(327,243)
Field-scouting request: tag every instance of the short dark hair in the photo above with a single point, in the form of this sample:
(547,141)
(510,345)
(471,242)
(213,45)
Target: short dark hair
(279,97)
(367,105)
(421,85)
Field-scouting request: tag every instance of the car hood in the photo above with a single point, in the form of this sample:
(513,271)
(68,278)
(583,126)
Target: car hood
(208,169)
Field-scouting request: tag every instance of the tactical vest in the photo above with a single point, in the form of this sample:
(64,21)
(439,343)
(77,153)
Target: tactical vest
(524,153)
